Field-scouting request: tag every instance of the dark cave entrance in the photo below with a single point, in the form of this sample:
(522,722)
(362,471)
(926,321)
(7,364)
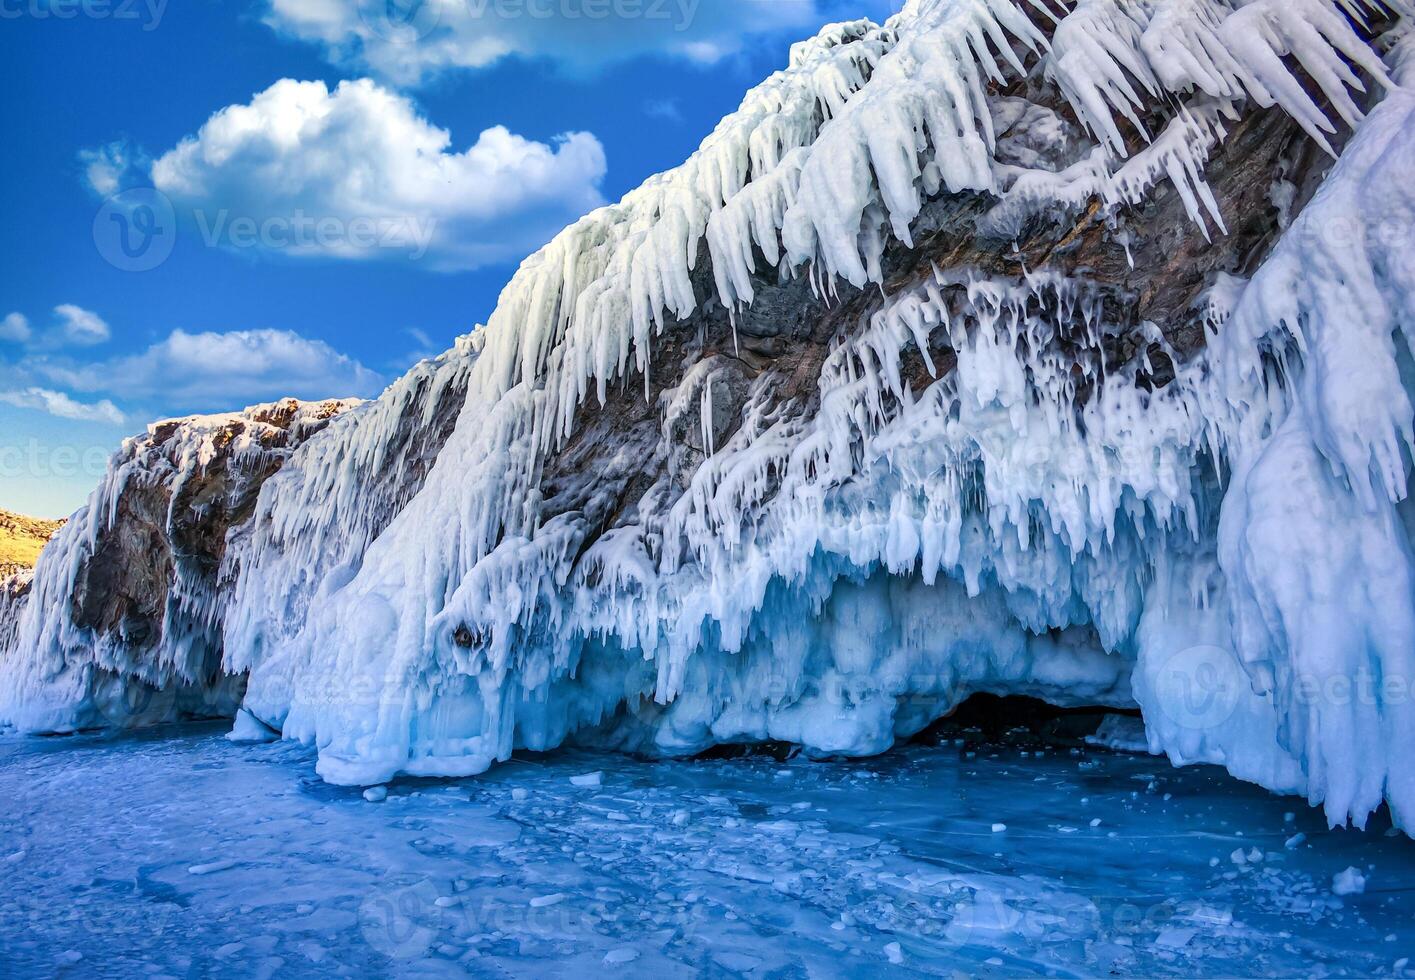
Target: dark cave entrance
(1013,721)
(1018,721)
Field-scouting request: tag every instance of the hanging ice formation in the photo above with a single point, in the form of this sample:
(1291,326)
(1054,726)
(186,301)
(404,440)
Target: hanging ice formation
(120,622)
(1003,347)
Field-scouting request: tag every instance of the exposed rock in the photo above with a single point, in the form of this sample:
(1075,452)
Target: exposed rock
(138,567)
(14,592)
(925,376)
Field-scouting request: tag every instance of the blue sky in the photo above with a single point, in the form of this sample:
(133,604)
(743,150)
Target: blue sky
(211,204)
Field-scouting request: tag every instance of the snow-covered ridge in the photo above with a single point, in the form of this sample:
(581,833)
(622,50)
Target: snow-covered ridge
(121,621)
(703,488)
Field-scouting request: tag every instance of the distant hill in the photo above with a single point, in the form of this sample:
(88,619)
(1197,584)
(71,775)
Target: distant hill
(21,539)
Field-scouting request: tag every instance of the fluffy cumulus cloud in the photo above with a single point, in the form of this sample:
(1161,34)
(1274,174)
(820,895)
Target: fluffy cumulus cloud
(218,371)
(410,41)
(357,173)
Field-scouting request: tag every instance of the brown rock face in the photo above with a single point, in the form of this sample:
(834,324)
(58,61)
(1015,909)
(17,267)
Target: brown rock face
(14,591)
(1147,263)
(140,608)
(187,483)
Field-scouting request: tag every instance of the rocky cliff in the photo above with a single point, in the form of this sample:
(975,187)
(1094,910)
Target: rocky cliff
(125,601)
(995,348)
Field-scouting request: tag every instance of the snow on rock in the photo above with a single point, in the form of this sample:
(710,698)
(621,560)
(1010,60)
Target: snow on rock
(14,594)
(121,624)
(314,519)
(970,354)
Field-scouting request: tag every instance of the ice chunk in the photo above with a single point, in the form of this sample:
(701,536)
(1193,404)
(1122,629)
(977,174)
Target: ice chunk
(1348,882)
(248,728)
(212,867)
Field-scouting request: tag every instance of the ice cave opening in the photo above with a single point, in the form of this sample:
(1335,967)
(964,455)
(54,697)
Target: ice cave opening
(1028,722)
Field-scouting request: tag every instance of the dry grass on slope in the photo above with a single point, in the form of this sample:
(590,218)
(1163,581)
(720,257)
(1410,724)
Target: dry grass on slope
(21,539)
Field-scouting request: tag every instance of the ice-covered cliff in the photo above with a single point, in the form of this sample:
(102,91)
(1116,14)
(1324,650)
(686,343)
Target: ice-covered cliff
(1002,347)
(120,623)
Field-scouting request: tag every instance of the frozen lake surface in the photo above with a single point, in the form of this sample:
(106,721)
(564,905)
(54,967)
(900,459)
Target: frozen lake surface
(181,854)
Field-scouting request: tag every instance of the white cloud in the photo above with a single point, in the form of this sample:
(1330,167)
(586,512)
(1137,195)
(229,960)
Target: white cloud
(72,326)
(80,327)
(357,173)
(112,167)
(410,41)
(15,328)
(60,405)
(218,371)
